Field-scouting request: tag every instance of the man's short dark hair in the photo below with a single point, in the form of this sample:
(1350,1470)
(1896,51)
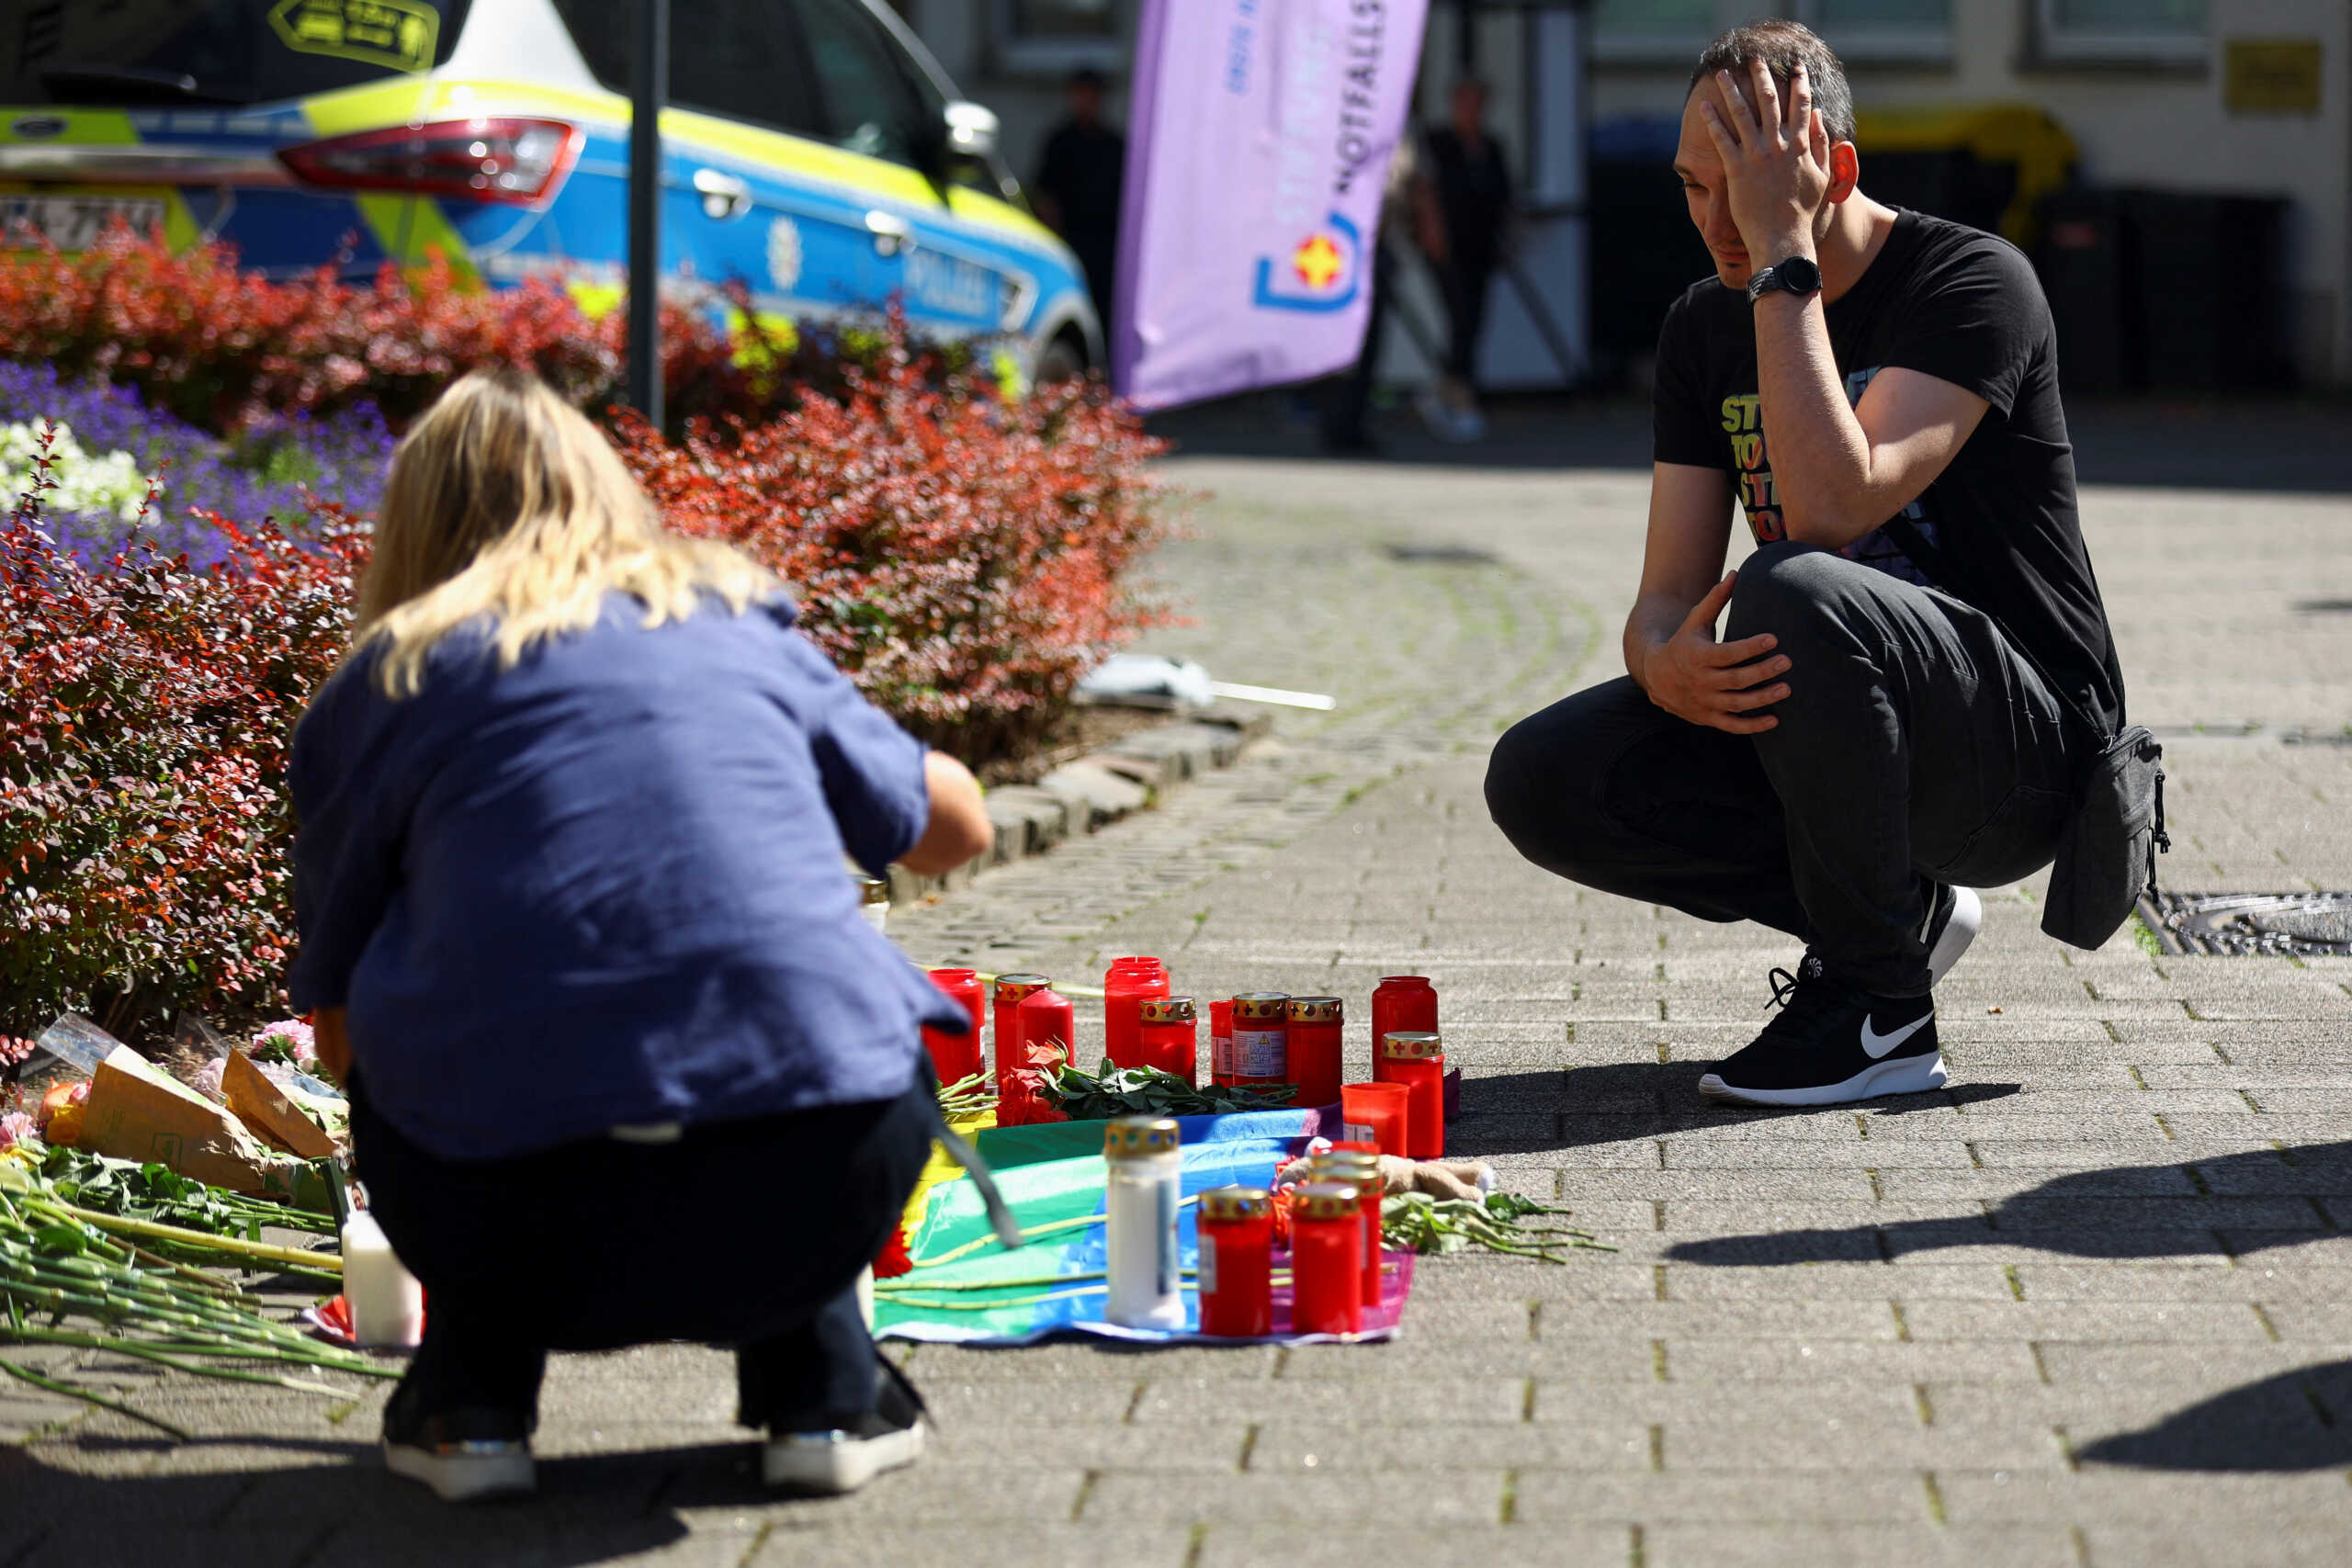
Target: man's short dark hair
(1783,46)
(1088,77)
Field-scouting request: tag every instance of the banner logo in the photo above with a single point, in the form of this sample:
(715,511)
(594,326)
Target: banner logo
(1322,272)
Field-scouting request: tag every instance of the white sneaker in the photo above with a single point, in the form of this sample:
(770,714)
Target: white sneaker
(1959,930)
(837,1461)
(466,1470)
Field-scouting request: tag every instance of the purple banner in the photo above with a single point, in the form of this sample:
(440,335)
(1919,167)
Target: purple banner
(1257,148)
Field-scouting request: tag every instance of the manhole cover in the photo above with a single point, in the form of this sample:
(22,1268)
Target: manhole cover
(2306,925)
(1440,555)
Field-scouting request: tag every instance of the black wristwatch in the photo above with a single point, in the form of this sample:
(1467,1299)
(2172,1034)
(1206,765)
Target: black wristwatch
(1798,275)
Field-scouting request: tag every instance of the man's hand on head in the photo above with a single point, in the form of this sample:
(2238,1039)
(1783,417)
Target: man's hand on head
(1720,684)
(1776,160)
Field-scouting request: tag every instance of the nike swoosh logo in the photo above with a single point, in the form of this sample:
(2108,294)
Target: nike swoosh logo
(1876,1045)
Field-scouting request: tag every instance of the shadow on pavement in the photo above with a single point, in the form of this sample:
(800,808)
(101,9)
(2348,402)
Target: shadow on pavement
(2297,1420)
(590,1508)
(2093,1214)
(1539,1111)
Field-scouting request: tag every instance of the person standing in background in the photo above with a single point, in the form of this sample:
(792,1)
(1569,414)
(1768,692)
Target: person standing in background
(1474,200)
(1079,181)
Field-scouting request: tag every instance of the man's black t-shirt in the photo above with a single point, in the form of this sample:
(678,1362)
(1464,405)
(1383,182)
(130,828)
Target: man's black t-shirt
(1963,307)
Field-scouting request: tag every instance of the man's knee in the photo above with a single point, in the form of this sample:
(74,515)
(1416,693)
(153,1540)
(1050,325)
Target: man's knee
(1543,782)
(1784,587)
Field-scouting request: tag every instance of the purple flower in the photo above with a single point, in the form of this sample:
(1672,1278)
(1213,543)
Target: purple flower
(269,470)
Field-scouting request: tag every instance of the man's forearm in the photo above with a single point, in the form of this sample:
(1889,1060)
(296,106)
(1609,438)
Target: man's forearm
(1820,455)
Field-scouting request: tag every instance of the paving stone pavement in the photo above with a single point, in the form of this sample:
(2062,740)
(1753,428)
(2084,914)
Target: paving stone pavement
(2086,1307)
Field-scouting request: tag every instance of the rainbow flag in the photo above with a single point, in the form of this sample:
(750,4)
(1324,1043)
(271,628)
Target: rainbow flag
(964,1289)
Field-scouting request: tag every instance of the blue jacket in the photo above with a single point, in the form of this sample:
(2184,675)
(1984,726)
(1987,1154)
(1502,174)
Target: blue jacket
(606,885)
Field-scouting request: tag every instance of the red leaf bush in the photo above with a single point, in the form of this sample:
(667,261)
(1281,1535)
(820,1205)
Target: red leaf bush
(144,714)
(220,347)
(963,559)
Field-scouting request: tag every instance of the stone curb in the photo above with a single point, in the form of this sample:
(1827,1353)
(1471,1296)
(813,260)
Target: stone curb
(1098,789)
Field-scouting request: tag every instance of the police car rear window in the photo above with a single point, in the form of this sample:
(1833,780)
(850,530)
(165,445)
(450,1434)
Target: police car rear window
(216,51)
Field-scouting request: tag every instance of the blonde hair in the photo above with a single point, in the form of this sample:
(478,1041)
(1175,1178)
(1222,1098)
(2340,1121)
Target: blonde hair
(505,505)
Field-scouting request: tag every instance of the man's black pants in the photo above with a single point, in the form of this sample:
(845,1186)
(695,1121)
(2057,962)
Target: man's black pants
(1915,747)
(750,1234)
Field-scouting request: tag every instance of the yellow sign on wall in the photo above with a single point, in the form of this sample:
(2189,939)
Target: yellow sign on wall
(2271,75)
(398,34)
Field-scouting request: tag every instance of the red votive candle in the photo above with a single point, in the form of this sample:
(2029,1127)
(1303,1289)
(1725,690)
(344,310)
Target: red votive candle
(1048,1024)
(1170,1036)
(1358,1166)
(1378,1114)
(1237,1230)
(1315,1048)
(1125,986)
(1416,1060)
(1262,1038)
(1221,1043)
(1402,1003)
(957,1056)
(1011,990)
(1326,1258)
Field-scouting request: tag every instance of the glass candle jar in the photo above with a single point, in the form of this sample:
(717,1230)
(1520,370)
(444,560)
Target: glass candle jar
(1314,1048)
(1358,1166)
(1237,1228)
(873,901)
(1326,1258)
(1009,992)
(957,1056)
(1402,1002)
(1170,1036)
(1262,1038)
(1143,1175)
(1221,1043)
(1416,1060)
(1379,1113)
(1125,986)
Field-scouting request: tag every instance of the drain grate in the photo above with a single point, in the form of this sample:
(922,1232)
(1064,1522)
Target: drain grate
(2234,925)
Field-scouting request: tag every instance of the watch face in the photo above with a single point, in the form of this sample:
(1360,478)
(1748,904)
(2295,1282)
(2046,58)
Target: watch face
(1799,275)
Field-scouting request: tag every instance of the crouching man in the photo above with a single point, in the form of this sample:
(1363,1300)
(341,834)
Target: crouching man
(1916,665)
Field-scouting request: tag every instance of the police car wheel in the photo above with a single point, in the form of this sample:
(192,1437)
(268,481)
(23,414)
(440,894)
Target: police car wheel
(1062,361)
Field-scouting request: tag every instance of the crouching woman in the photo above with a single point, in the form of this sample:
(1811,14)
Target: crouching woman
(627,1062)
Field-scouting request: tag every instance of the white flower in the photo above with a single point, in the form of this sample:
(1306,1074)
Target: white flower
(81,482)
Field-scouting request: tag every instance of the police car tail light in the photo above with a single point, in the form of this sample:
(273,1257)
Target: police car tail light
(482,159)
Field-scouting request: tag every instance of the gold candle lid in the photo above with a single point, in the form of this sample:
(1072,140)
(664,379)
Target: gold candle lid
(1316,1010)
(1326,1201)
(1236,1203)
(1262,1006)
(1139,1137)
(871,889)
(1013,987)
(1411,1045)
(1170,1009)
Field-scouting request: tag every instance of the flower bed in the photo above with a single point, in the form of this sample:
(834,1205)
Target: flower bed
(962,558)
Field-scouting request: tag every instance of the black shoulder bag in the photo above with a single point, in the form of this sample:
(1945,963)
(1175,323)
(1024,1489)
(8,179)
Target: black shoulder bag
(2116,825)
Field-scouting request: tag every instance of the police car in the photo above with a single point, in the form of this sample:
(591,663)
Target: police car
(813,152)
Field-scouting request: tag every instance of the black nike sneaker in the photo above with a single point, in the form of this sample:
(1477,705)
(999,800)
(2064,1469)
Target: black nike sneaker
(1833,1042)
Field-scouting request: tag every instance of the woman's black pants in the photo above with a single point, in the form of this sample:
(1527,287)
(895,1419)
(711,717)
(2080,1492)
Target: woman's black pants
(746,1234)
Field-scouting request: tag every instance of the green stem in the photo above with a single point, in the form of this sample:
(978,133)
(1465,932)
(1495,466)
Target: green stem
(178,1434)
(144,1353)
